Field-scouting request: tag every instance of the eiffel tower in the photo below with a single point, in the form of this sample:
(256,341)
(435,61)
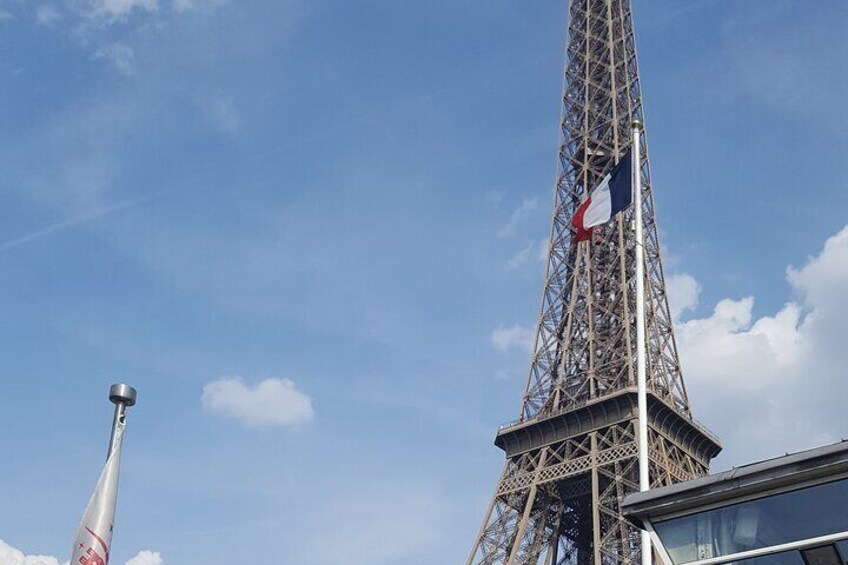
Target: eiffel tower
(573,453)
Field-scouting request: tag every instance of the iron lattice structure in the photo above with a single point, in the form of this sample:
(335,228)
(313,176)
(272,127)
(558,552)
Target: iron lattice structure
(573,454)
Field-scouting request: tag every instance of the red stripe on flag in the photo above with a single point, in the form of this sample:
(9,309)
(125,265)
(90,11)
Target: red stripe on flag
(581,233)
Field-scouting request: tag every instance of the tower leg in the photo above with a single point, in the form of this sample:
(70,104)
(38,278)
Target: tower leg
(528,509)
(596,507)
(485,523)
(553,552)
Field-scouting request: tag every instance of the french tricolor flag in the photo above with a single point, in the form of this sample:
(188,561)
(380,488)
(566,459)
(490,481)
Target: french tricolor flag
(614,194)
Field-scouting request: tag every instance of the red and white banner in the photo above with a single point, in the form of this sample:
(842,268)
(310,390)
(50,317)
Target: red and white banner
(94,537)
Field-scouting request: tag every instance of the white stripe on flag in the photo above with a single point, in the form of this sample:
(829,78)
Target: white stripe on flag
(599,210)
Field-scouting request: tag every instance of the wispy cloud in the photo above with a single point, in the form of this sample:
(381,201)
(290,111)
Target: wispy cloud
(121,56)
(184,5)
(107,30)
(534,251)
(188,5)
(119,9)
(47,15)
(520,258)
(367,530)
(524,211)
(495,197)
(219,109)
(505,338)
(774,53)
(682,11)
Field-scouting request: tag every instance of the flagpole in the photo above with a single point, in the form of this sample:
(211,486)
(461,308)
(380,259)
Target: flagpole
(93,541)
(122,396)
(641,378)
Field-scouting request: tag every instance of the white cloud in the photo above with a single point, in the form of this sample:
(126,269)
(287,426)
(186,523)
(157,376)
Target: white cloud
(118,9)
(273,402)
(90,23)
(776,383)
(220,110)
(188,5)
(544,250)
(11,556)
(683,291)
(525,210)
(495,197)
(146,558)
(520,258)
(533,251)
(505,338)
(121,56)
(46,15)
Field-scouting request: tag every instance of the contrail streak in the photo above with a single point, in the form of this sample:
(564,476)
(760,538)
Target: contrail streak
(85,217)
(685,10)
(79,219)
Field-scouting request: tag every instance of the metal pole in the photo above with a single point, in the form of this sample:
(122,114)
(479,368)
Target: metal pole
(122,396)
(641,378)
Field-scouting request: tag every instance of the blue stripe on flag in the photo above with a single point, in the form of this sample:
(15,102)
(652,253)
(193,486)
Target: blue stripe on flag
(621,184)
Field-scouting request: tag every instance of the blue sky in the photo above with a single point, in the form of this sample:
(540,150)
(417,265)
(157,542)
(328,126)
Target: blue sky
(348,198)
